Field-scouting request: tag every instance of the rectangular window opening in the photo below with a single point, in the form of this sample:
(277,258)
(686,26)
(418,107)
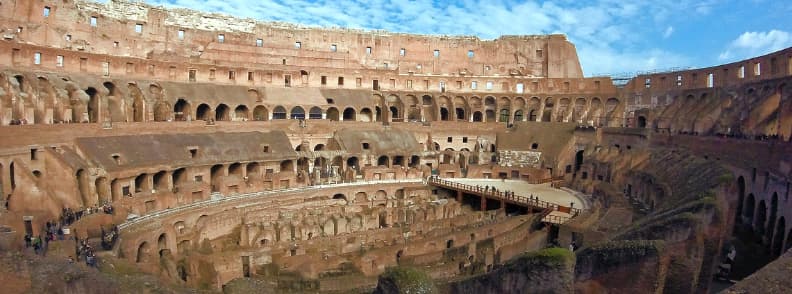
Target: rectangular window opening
(259,43)
(437,53)
(333,48)
(37,58)
(138,28)
(59,61)
(368,50)
(297,45)
(94,21)
(180,34)
(324,80)
(402,52)
(470,54)
(47,11)
(340,81)
(191,75)
(220,38)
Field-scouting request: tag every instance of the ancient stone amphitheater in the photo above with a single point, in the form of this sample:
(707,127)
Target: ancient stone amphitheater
(179,151)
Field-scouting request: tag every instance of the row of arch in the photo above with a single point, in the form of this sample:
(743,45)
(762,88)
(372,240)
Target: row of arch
(763,219)
(134,105)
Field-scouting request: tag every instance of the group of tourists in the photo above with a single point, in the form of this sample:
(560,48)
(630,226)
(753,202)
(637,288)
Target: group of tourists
(69,216)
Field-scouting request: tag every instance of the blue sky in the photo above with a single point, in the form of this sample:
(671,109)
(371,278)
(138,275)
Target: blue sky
(611,36)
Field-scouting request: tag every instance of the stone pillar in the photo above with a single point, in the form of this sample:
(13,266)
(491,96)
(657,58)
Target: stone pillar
(483,203)
(459,196)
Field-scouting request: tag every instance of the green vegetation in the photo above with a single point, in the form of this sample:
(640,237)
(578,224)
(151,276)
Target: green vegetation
(409,280)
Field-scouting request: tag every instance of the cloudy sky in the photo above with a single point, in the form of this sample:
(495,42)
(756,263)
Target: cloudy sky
(611,36)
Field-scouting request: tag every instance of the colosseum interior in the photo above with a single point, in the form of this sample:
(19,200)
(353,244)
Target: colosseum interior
(153,150)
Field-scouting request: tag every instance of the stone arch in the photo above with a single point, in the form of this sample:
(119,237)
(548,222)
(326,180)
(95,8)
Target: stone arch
(162,111)
(241,112)
(253,94)
(160,182)
(340,196)
(279,112)
(287,165)
(93,104)
(222,113)
(641,121)
(380,195)
(366,115)
(740,199)
(297,112)
(103,190)
(349,114)
(518,116)
(182,110)
(203,112)
(778,238)
(215,174)
(82,185)
(750,206)
(361,197)
(143,254)
(478,116)
(260,113)
(761,217)
(315,113)
(383,161)
(138,103)
(333,114)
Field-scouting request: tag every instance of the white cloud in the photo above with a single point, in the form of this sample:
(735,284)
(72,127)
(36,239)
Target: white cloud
(604,29)
(668,31)
(751,44)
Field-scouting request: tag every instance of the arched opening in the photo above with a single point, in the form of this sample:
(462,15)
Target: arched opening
(415,161)
(332,114)
(749,209)
(548,110)
(103,190)
(181,110)
(740,199)
(761,218)
(260,113)
(352,162)
(287,166)
(340,197)
(532,115)
(349,114)
(366,115)
(319,147)
(394,111)
(773,212)
(82,185)
(252,170)
(235,170)
(382,161)
(641,121)
(778,239)
(504,115)
(477,116)
(377,113)
(93,104)
(143,253)
(460,114)
(222,113)
(297,112)
(162,111)
(160,182)
(179,177)
(216,173)
(444,114)
(162,242)
(518,115)
(315,113)
(203,112)
(242,113)
(279,112)
(398,160)
(578,159)
(490,115)
(111,88)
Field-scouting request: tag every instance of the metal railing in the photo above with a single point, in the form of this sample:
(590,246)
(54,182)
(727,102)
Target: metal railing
(223,199)
(506,196)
